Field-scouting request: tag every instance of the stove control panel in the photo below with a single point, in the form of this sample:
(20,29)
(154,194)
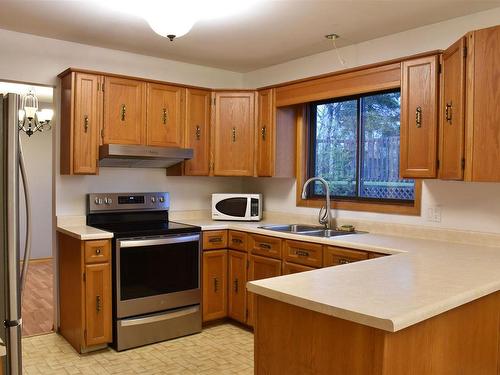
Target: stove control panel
(99,202)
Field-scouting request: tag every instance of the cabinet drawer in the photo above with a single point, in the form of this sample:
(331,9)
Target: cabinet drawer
(335,256)
(289,268)
(215,239)
(237,240)
(97,251)
(265,246)
(308,254)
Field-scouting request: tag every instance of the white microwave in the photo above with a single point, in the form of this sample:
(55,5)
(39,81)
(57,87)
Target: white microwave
(242,207)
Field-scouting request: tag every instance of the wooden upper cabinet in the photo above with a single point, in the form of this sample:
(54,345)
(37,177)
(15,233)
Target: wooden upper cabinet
(419,117)
(266,133)
(81,121)
(198,132)
(124,111)
(452,118)
(483,108)
(165,115)
(233,134)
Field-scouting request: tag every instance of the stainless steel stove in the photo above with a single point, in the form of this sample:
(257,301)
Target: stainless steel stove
(156,268)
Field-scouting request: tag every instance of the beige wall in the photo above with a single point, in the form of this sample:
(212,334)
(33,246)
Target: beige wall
(467,206)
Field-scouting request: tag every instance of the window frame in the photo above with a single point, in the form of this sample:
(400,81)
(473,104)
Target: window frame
(312,123)
(346,203)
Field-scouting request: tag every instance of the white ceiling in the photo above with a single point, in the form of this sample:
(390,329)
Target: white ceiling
(271,32)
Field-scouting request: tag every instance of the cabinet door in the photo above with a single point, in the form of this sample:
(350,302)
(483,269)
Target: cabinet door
(214,284)
(165,115)
(265,133)
(419,117)
(483,108)
(234,135)
(260,268)
(198,132)
(451,153)
(97,304)
(124,111)
(237,275)
(86,123)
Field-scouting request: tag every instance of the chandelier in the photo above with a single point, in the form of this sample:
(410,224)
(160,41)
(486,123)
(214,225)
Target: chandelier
(31,119)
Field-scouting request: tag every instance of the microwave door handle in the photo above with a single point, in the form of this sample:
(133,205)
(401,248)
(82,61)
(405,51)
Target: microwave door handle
(248,211)
(157,241)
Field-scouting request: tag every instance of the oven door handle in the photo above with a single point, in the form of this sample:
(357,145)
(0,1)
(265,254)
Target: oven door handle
(158,241)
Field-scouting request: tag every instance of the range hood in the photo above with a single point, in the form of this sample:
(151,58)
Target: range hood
(132,156)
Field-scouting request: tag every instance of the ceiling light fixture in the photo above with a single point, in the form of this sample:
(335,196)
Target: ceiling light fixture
(31,119)
(173,19)
(332,36)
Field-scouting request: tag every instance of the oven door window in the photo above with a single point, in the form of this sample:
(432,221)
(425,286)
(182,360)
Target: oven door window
(158,269)
(236,207)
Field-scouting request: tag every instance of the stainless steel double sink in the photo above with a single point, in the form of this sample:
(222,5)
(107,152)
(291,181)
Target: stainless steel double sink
(307,230)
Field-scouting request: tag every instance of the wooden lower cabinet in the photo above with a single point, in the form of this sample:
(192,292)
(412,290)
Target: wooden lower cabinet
(85,299)
(237,276)
(214,284)
(336,256)
(289,268)
(260,268)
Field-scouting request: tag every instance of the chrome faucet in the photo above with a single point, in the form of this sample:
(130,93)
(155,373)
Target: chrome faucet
(325,218)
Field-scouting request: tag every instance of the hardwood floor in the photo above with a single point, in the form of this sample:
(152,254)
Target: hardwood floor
(38,305)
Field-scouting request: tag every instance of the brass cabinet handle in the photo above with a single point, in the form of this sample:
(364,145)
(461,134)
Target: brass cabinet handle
(236,285)
(418,117)
(234,134)
(448,113)
(86,123)
(165,116)
(123,112)
(263,132)
(98,303)
(98,251)
(197,133)
(265,246)
(302,253)
(344,261)
(237,240)
(216,285)
(215,239)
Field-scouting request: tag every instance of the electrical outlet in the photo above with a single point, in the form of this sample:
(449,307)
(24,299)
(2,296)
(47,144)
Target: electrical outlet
(434,214)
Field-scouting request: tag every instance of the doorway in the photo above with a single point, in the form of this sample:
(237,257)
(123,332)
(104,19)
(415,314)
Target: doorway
(38,298)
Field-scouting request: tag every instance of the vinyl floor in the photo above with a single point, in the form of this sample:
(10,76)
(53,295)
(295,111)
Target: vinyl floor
(218,350)
(38,304)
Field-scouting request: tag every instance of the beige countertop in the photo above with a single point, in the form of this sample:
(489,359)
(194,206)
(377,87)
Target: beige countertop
(423,278)
(84,232)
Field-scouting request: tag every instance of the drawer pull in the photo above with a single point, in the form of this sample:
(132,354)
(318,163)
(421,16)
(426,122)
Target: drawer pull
(302,253)
(265,246)
(233,132)
(418,117)
(237,240)
(123,112)
(164,116)
(216,285)
(215,239)
(98,304)
(236,285)
(197,133)
(86,123)
(263,132)
(98,251)
(344,261)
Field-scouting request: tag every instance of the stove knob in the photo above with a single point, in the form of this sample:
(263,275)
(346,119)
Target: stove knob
(161,199)
(153,200)
(108,201)
(98,201)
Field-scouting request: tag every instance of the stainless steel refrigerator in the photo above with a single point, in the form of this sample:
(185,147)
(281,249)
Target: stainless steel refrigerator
(10,295)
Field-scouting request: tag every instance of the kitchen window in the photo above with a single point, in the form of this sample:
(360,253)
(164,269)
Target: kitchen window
(354,145)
